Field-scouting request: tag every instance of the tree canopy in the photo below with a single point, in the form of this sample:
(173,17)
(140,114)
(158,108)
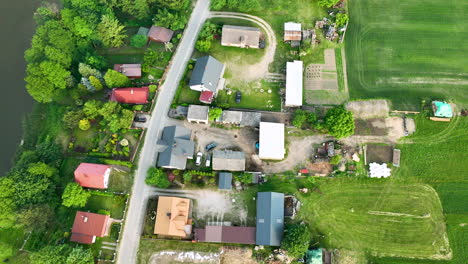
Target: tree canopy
(170,19)
(296,240)
(215,113)
(116,79)
(111,32)
(327,3)
(157,177)
(339,122)
(74,195)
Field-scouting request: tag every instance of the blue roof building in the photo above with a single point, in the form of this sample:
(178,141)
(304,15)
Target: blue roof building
(270,218)
(225,181)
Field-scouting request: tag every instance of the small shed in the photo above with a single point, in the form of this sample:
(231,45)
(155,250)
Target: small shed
(292,31)
(132,71)
(442,109)
(160,34)
(143,31)
(396,157)
(198,114)
(225,181)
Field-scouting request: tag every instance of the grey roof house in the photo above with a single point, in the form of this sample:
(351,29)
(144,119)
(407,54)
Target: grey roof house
(243,37)
(270,218)
(207,77)
(198,114)
(225,181)
(175,147)
(240,118)
(228,160)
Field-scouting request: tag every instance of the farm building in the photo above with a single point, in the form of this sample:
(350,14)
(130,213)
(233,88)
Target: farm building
(240,118)
(92,175)
(172,217)
(132,71)
(292,31)
(88,226)
(226,234)
(207,78)
(160,34)
(242,37)
(442,109)
(225,181)
(175,147)
(270,218)
(271,145)
(228,160)
(198,114)
(130,95)
(294,83)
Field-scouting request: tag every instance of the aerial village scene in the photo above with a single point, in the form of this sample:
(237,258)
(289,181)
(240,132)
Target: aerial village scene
(229,132)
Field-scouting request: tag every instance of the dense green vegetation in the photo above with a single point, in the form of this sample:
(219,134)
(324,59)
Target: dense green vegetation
(396,52)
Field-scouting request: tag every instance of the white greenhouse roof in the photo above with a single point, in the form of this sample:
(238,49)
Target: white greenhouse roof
(379,170)
(291,26)
(294,83)
(271,141)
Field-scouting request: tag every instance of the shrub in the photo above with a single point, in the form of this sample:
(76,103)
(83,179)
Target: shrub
(187,177)
(339,122)
(300,116)
(335,159)
(74,195)
(84,124)
(104,212)
(214,113)
(296,240)
(157,177)
(152,88)
(138,41)
(96,83)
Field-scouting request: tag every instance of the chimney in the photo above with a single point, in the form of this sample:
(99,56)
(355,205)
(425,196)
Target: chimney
(85,219)
(131,91)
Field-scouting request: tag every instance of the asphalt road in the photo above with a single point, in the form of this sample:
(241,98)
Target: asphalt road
(128,246)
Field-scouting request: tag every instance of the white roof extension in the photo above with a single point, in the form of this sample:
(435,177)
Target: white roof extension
(271,141)
(291,26)
(294,83)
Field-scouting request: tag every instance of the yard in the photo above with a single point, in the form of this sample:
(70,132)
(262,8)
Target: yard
(396,52)
(107,203)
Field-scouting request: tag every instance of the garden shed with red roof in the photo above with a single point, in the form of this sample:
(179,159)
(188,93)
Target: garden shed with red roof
(93,175)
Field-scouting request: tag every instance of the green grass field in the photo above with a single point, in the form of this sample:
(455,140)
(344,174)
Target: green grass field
(408,50)
(379,218)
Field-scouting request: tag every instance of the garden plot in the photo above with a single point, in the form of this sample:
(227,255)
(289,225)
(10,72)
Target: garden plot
(379,153)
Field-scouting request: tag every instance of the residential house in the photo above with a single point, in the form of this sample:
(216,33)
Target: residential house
(270,218)
(88,226)
(271,145)
(294,74)
(130,95)
(172,217)
(207,78)
(242,37)
(198,114)
(160,34)
(292,31)
(228,160)
(175,147)
(92,175)
(225,181)
(240,118)
(226,234)
(132,71)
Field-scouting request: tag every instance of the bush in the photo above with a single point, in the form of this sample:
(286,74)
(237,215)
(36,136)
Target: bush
(84,124)
(157,177)
(104,212)
(96,83)
(138,41)
(300,116)
(187,177)
(245,178)
(335,159)
(296,240)
(339,122)
(152,88)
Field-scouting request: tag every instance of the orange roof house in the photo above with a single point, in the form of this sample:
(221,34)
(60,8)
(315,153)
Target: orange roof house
(172,217)
(132,71)
(130,95)
(88,226)
(93,175)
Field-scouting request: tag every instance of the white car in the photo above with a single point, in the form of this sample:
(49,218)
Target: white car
(208,160)
(199,157)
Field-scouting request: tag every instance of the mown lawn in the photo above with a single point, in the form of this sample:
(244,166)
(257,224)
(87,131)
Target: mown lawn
(254,96)
(400,52)
(114,204)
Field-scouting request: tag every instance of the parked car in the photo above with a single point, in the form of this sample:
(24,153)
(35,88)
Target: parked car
(238,97)
(141,119)
(208,160)
(211,146)
(199,157)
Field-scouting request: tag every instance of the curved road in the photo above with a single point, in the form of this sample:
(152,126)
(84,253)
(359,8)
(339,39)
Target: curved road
(128,247)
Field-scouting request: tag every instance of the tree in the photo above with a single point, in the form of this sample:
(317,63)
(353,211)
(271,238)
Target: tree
(151,59)
(7,206)
(49,152)
(170,19)
(6,250)
(122,120)
(218,4)
(214,113)
(35,217)
(95,83)
(311,118)
(296,240)
(339,122)
(50,254)
(300,116)
(74,195)
(335,159)
(203,45)
(138,41)
(116,79)
(80,255)
(245,178)
(91,109)
(341,19)
(85,70)
(327,3)
(157,177)
(84,124)
(111,32)
(109,109)
(137,8)
(44,79)
(47,11)
(174,4)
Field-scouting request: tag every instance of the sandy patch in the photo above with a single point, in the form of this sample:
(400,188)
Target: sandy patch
(185,257)
(212,204)
(236,255)
(369,108)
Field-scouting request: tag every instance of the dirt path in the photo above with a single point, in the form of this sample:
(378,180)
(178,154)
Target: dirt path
(260,69)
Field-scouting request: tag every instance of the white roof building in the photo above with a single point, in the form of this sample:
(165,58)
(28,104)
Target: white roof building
(294,83)
(379,170)
(271,141)
(291,26)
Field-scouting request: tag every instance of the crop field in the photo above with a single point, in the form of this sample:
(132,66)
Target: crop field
(408,50)
(379,217)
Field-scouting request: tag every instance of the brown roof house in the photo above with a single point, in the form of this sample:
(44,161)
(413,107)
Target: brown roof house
(160,34)
(132,71)
(88,226)
(242,37)
(172,217)
(228,160)
(226,234)
(93,175)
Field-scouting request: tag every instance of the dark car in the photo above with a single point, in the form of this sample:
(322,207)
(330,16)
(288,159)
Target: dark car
(140,119)
(238,97)
(211,146)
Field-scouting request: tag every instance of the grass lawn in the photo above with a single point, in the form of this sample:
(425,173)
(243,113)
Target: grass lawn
(120,181)
(401,53)
(114,204)
(150,246)
(84,139)
(378,217)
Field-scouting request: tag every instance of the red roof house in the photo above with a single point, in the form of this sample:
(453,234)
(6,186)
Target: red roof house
(93,175)
(206,97)
(88,226)
(132,71)
(130,95)
(160,34)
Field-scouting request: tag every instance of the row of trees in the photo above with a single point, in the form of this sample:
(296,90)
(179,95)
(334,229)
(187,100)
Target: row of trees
(238,5)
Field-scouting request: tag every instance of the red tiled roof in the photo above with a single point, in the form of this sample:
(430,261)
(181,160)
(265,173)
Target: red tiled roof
(87,225)
(129,70)
(206,97)
(91,175)
(130,95)
(160,34)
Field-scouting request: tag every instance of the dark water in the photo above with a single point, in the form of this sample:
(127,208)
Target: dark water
(16,29)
